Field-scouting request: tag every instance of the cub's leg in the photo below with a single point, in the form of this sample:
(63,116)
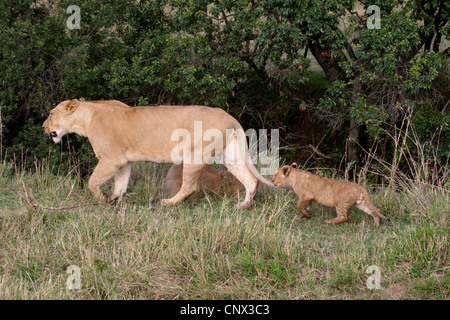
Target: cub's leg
(308,208)
(121,182)
(191,173)
(102,172)
(369,208)
(304,205)
(341,210)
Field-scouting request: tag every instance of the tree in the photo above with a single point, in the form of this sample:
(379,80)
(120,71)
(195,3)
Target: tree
(232,54)
(375,74)
(43,62)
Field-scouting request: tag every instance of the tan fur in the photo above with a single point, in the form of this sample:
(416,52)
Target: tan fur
(327,192)
(211,181)
(120,134)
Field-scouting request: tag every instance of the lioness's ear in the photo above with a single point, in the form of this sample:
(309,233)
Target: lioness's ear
(294,165)
(72,105)
(286,170)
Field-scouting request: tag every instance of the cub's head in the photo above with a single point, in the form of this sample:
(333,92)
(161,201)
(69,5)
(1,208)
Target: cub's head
(281,177)
(61,119)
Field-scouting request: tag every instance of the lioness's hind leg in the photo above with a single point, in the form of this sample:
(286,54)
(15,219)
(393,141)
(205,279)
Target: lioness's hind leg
(191,173)
(243,174)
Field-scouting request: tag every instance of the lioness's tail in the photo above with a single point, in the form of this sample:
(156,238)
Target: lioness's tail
(254,171)
(249,162)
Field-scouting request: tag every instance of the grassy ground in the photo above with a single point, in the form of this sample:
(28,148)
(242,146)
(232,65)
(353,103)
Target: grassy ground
(207,249)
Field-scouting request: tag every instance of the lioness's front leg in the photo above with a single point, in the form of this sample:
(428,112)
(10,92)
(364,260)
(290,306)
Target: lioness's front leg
(121,182)
(104,170)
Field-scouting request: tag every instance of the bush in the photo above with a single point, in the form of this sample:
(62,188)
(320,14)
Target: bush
(257,60)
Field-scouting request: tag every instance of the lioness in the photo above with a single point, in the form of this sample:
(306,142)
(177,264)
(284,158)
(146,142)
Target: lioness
(120,134)
(210,180)
(327,192)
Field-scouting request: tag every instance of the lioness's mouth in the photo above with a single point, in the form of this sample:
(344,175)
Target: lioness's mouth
(53,134)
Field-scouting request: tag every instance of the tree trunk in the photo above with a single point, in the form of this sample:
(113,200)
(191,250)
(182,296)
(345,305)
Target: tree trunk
(352,142)
(329,64)
(354,130)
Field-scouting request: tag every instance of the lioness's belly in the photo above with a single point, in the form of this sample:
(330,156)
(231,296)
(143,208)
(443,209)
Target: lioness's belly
(158,157)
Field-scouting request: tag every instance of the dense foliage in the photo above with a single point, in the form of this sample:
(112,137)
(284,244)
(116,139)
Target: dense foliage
(313,68)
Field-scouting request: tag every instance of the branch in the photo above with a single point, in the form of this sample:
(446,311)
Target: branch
(313,148)
(433,39)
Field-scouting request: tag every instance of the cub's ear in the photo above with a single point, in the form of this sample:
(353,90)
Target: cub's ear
(72,105)
(286,170)
(294,165)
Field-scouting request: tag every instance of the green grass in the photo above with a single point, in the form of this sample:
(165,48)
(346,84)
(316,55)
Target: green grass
(205,248)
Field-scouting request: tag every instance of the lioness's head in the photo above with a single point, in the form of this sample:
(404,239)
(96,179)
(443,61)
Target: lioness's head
(281,179)
(61,119)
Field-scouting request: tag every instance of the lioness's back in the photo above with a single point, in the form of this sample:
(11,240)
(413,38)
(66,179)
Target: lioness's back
(178,117)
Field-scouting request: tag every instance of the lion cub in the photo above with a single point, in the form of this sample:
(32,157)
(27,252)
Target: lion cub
(210,180)
(327,192)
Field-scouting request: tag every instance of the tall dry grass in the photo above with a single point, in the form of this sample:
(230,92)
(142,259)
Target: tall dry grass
(205,248)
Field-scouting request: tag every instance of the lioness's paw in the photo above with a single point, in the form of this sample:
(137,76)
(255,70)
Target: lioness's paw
(113,199)
(165,202)
(244,205)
